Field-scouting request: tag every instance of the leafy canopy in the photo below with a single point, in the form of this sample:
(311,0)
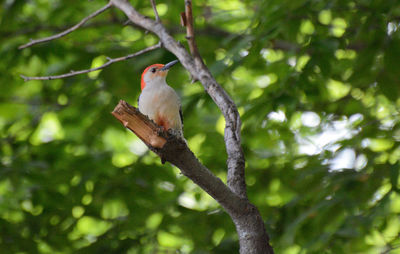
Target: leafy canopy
(317,85)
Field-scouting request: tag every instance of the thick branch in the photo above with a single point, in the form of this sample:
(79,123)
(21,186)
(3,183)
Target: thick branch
(249,224)
(236,180)
(174,150)
(69,30)
(139,124)
(109,62)
(236,161)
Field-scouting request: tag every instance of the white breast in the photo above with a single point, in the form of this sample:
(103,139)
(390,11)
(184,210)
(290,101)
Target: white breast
(162,101)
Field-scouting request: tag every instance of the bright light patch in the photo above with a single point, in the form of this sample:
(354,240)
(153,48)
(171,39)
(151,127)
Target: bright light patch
(360,162)
(243,52)
(380,144)
(154,220)
(62,99)
(27,206)
(49,129)
(123,159)
(89,185)
(301,62)
(395,202)
(345,54)
(220,126)
(292,61)
(310,119)
(162,9)
(392,27)
(170,240)
(255,93)
(196,141)
(343,160)
(130,34)
(122,143)
(278,116)
(220,54)
(87,199)
(78,211)
(375,238)
(356,119)
(5,186)
(337,89)
(97,62)
(138,147)
(187,200)
(113,209)
(325,17)
(327,139)
(271,55)
(266,80)
(294,249)
(196,201)
(149,39)
(339,27)
(295,121)
(167,186)
(92,226)
(217,236)
(307,27)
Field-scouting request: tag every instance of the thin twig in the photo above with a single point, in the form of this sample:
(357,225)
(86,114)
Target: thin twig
(69,30)
(153,4)
(109,62)
(190,30)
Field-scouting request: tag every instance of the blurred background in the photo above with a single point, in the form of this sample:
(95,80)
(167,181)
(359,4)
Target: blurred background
(317,84)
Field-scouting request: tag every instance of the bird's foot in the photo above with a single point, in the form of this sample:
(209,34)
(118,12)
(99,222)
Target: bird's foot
(160,130)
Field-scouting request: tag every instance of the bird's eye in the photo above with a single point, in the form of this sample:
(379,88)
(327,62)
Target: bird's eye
(153,70)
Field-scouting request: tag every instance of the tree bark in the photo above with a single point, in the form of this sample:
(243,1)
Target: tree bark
(232,197)
(250,227)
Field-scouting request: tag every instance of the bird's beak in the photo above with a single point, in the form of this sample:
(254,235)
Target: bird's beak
(169,65)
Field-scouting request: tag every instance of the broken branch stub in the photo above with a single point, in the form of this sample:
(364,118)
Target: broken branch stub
(163,143)
(139,124)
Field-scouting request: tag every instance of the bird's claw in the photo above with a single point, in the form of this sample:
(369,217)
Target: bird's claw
(160,130)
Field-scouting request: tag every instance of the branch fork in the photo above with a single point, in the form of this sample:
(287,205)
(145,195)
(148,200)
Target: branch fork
(231,196)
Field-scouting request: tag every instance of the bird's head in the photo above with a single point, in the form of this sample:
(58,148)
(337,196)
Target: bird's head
(156,73)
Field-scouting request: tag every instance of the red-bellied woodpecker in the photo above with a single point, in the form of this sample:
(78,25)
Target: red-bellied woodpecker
(159,101)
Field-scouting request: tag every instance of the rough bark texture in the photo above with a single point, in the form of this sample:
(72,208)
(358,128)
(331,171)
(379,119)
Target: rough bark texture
(139,124)
(247,219)
(233,196)
(200,72)
(249,224)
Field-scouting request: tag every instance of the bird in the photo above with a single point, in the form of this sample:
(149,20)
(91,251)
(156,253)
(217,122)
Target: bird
(158,101)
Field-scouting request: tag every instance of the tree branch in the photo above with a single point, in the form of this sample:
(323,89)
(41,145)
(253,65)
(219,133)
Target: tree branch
(190,36)
(248,222)
(236,162)
(139,124)
(109,62)
(175,150)
(153,4)
(233,197)
(69,30)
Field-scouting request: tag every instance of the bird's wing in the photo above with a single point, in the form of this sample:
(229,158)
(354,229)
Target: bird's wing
(181,115)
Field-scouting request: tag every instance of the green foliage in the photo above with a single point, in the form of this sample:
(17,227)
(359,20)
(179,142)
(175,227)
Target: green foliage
(317,86)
